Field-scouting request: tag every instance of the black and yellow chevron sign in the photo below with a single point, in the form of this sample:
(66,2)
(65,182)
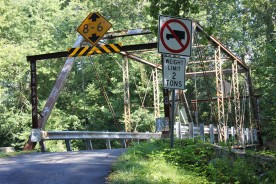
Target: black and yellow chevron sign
(99,49)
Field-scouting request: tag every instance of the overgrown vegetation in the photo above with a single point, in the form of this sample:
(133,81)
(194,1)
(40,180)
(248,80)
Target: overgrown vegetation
(190,161)
(31,27)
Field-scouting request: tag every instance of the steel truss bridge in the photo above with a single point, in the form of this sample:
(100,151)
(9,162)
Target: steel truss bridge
(224,77)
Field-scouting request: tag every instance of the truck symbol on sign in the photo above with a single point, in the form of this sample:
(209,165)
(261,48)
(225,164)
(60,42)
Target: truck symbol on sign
(179,34)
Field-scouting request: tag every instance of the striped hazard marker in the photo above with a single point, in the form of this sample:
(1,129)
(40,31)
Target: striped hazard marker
(99,49)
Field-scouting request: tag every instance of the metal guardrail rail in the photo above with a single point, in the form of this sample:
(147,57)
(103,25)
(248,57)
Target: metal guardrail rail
(38,135)
(248,136)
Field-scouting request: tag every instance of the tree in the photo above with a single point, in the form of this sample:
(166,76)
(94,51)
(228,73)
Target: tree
(37,27)
(247,28)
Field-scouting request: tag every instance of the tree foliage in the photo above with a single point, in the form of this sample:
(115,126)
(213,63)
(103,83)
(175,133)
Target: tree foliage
(29,27)
(247,28)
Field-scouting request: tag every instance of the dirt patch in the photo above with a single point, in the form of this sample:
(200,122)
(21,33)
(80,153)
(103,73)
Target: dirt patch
(6,149)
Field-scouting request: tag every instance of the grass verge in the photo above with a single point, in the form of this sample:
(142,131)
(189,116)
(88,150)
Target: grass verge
(191,162)
(12,154)
(146,164)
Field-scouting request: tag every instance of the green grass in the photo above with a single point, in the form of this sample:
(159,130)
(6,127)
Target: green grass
(191,162)
(12,154)
(130,169)
(146,164)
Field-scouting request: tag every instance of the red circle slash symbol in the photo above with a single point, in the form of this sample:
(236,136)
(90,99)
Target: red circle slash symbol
(182,46)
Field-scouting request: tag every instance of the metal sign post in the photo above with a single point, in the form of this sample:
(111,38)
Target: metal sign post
(172,119)
(173,78)
(175,39)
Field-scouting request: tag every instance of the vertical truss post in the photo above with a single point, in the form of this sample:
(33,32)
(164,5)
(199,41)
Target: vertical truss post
(34,94)
(255,107)
(127,119)
(156,94)
(246,93)
(220,94)
(236,101)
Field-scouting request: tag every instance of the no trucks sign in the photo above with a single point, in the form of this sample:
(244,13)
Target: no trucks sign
(175,36)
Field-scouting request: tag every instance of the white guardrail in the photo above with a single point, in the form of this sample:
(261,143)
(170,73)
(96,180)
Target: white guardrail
(38,135)
(247,136)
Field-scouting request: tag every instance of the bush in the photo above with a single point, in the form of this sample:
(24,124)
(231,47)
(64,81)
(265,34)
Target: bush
(225,170)
(199,160)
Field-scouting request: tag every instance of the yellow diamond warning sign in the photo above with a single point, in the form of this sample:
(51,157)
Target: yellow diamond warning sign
(94,27)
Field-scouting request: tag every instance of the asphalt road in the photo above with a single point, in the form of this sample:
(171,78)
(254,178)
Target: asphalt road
(83,167)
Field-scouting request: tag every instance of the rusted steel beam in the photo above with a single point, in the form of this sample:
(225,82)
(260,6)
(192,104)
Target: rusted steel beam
(215,99)
(34,94)
(47,56)
(128,32)
(144,46)
(137,47)
(188,74)
(143,61)
(211,73)
(223,48)
(30,145)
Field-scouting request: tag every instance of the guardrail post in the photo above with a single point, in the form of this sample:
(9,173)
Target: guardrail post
(219,133)
(178,130)
(251,136)
(201,131)
(212,137)
(255,136)
(233,134)
(247,135)
(191,130)
(124,143)
(68,145)
(242,137)
(89,145)
(226,133)
(42,146)
(108,145)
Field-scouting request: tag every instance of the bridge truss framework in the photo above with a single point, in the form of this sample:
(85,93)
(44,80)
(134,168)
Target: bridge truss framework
(220,55)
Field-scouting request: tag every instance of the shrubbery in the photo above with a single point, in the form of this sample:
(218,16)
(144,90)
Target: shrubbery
(200,160)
